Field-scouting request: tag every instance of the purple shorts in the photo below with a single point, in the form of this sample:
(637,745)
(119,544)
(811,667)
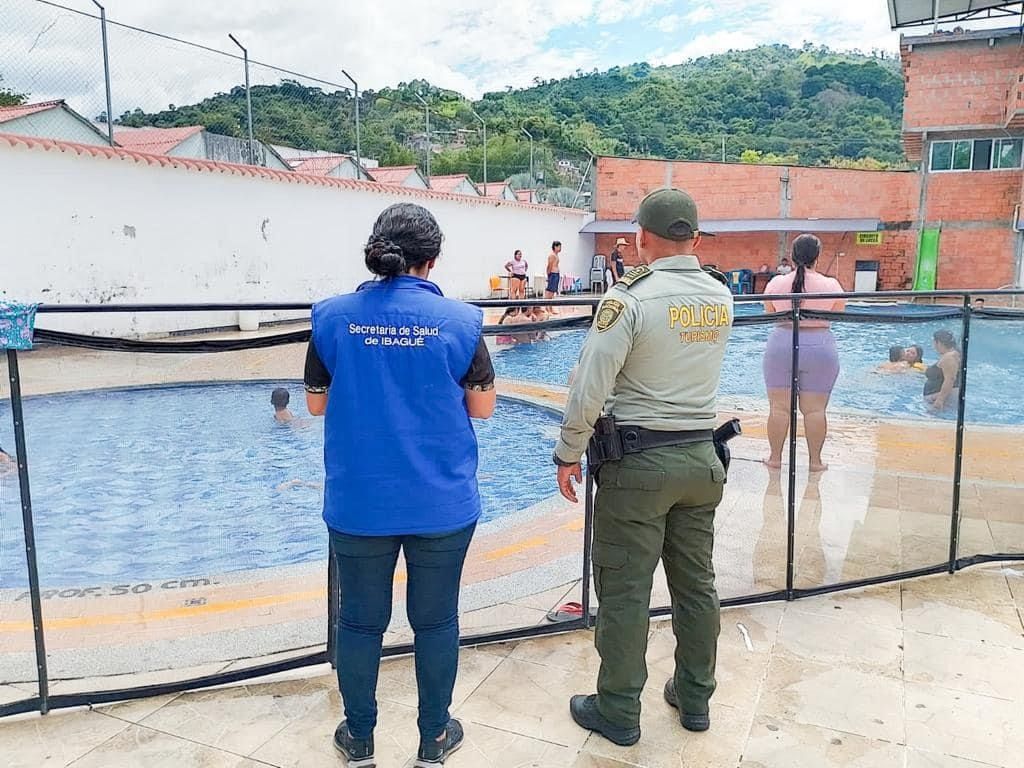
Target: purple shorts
(819,360)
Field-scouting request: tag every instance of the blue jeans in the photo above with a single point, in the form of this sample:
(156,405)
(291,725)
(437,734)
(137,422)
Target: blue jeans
(366,570)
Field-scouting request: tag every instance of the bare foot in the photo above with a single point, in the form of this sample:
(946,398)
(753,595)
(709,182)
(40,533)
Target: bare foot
(773,463)
(817,467)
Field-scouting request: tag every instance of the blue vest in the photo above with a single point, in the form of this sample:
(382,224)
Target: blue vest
(400,451)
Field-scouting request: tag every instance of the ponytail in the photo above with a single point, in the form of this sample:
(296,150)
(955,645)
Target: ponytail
(806,249)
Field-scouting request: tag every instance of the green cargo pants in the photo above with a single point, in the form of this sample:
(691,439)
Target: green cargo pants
(656,504)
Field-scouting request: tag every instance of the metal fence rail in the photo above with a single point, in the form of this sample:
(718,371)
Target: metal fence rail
(960,307)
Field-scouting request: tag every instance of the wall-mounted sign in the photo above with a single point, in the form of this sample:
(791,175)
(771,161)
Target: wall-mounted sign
(869,238)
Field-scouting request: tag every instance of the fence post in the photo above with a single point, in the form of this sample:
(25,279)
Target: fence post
(30,535)
(958,457)
(588,530)
(106,71)
(333,603)
(794,385)
(248,98)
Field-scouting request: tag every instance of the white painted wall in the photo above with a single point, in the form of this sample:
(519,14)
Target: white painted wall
(194,146)
(83,229)
(57,124)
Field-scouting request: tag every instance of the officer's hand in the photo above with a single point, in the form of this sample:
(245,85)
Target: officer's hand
(565,477)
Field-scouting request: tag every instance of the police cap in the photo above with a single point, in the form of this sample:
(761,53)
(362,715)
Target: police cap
(669,213)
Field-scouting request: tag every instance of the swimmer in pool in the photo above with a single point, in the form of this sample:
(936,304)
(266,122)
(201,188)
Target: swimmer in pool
(942,380)
(280,398)
(904,360)
(8,466)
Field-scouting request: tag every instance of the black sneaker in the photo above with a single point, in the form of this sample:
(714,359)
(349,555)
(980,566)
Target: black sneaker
(435,752)
(695,723)
(584,711)
(358,752)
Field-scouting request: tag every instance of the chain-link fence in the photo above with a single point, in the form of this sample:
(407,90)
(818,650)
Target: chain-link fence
(226,105)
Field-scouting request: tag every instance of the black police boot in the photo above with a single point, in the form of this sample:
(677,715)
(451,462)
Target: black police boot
(435,752)
(584,711)
(358,752)
(695,723)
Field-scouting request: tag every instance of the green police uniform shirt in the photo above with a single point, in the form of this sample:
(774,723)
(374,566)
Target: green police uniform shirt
(653,357)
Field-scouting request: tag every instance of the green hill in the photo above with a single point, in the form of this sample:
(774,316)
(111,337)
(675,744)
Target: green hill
(811,106)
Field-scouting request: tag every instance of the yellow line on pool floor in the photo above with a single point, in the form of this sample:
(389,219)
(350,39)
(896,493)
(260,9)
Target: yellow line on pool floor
(180,612)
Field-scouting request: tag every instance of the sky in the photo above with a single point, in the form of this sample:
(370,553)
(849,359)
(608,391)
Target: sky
(472,46)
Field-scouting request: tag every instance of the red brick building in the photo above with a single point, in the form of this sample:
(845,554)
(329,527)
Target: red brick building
(963,121)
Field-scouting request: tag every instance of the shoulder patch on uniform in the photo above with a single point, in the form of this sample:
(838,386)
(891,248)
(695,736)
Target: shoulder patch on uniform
(634,275)
(720,277)
(608,314)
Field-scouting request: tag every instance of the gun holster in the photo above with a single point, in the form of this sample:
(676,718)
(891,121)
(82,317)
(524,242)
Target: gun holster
(722,436)
(605,444)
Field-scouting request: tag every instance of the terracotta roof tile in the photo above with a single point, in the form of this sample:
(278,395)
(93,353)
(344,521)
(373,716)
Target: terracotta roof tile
(254,171)
(156,141)
(23,110)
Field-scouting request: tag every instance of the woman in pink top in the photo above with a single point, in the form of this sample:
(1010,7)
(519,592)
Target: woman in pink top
(818,361)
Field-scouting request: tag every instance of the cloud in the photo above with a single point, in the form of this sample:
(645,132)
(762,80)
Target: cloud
(700,14)
(668,24)
(838,24)
(706,44)
(616,11)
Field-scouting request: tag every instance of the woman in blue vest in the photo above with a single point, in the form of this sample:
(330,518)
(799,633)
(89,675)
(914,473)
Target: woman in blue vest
(399,370)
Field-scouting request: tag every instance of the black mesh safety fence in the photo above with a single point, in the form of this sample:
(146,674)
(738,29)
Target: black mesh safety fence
(884,506)
(177,511)
(19,675)
(991,488)
(177,520)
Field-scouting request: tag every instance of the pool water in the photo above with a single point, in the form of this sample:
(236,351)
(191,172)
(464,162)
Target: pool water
(187,481)
(996,363)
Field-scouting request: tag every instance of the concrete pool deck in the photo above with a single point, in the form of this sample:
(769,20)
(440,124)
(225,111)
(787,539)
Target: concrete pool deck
(883,507)
(898,676)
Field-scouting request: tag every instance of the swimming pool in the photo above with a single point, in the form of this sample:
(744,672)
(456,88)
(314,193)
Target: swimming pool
(186,481)
(996,359)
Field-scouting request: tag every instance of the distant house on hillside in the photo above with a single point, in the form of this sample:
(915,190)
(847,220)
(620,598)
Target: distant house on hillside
(197,142)
(458,184)
(50,120)
(334,166)
(498,190)
(400,176)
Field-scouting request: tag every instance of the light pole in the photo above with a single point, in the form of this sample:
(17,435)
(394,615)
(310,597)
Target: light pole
(359,154)
(427,109)
(106,71)
(248,98)
(482,123)
(533,178)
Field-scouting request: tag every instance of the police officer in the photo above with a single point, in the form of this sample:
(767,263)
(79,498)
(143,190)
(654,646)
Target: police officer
(399,371)
(652,363)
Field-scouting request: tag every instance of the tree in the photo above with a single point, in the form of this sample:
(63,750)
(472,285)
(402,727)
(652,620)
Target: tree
(785,104)
(9,98)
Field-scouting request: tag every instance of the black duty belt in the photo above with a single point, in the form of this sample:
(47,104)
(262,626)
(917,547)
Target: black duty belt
(636,439)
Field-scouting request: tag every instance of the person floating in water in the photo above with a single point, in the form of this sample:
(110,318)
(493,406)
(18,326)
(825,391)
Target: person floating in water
(904,360)
(280,398)
(942,380)
(8,466)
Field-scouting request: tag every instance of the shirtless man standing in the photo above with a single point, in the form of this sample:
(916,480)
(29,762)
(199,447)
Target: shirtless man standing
(554,273)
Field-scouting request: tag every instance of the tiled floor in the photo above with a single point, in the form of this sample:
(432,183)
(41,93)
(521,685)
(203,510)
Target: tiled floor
(924,674)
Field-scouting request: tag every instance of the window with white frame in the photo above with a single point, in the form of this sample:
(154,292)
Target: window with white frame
(976,154)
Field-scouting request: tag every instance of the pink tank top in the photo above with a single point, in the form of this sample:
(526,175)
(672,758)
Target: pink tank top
(814,282)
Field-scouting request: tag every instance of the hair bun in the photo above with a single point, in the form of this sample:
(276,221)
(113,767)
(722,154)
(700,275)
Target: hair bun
(384,258)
